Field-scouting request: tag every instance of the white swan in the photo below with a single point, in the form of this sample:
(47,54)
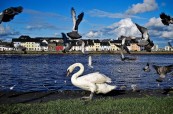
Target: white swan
(94,82)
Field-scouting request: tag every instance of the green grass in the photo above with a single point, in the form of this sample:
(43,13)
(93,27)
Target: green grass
(146,105)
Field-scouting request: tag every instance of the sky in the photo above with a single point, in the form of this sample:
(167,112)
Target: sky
(103,19)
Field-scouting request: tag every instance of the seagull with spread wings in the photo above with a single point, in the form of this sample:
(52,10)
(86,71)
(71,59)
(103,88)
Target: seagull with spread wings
(9,13)
(76,21)
(166,19)
(145,41)
(162,71)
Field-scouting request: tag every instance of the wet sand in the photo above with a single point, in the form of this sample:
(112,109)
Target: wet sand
(13,97)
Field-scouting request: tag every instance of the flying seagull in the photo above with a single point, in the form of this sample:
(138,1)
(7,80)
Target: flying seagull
(90,61)
(123,58)
(147,68)
(74,34)
(166,19)
(162,71)
(9,13)
(67,44)
(145,41)
(123,46)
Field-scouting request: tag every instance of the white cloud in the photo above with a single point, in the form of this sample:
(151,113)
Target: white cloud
(124,27)
(147,5)
(5,31)
(158,29)
(93,34)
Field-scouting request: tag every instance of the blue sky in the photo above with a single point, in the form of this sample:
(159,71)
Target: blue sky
(103,19)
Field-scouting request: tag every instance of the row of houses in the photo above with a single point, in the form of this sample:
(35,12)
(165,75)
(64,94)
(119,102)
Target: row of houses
(56,44)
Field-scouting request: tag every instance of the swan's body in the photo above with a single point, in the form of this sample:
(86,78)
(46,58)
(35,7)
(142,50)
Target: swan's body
(94,82)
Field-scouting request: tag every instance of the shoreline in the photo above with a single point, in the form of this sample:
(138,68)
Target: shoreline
(78,52)
(12,97)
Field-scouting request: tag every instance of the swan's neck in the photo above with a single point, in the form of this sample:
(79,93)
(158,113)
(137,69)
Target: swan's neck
(77,74)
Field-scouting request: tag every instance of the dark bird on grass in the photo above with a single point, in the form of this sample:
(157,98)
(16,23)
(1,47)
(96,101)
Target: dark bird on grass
(9,13)
(147,68)
(74,34)
(166,19)
(169,44)
(162,71)
(67,43)
(167,90)
(145,40)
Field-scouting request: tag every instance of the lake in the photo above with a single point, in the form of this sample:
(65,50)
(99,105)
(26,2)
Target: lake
(25,73)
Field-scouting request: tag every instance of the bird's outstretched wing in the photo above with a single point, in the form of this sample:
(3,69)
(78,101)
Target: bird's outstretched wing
(73,14)
(143,30)
(169,44)
(9,13)
(65,39)
(80,17)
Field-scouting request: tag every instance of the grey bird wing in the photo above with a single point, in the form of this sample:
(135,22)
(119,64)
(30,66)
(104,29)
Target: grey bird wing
(73,14)
(64,37)
(126,49)
(80,17)
(9,13)
(156,68)
(169,68)
(1,16)
(169,44)
(143,30)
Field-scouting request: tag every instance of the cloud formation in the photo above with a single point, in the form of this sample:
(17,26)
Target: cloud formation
(6,31)
(158,30)
(146,6)
(124,27)
(100,13)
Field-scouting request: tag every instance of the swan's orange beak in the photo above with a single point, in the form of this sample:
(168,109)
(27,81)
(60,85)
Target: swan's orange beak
(68,72)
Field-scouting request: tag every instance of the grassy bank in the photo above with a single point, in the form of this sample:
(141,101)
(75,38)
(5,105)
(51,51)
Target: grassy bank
(152,105)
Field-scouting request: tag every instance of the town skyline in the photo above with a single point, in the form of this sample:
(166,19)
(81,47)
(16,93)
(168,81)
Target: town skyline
(102,19)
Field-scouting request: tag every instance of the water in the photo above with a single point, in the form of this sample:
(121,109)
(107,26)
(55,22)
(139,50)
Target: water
(48,72)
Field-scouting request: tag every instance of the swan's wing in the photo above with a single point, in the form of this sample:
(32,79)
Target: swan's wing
(73,14)
(80,17)
(95,77)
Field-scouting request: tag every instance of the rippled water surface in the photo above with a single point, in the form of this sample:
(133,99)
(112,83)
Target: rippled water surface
(48,72)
